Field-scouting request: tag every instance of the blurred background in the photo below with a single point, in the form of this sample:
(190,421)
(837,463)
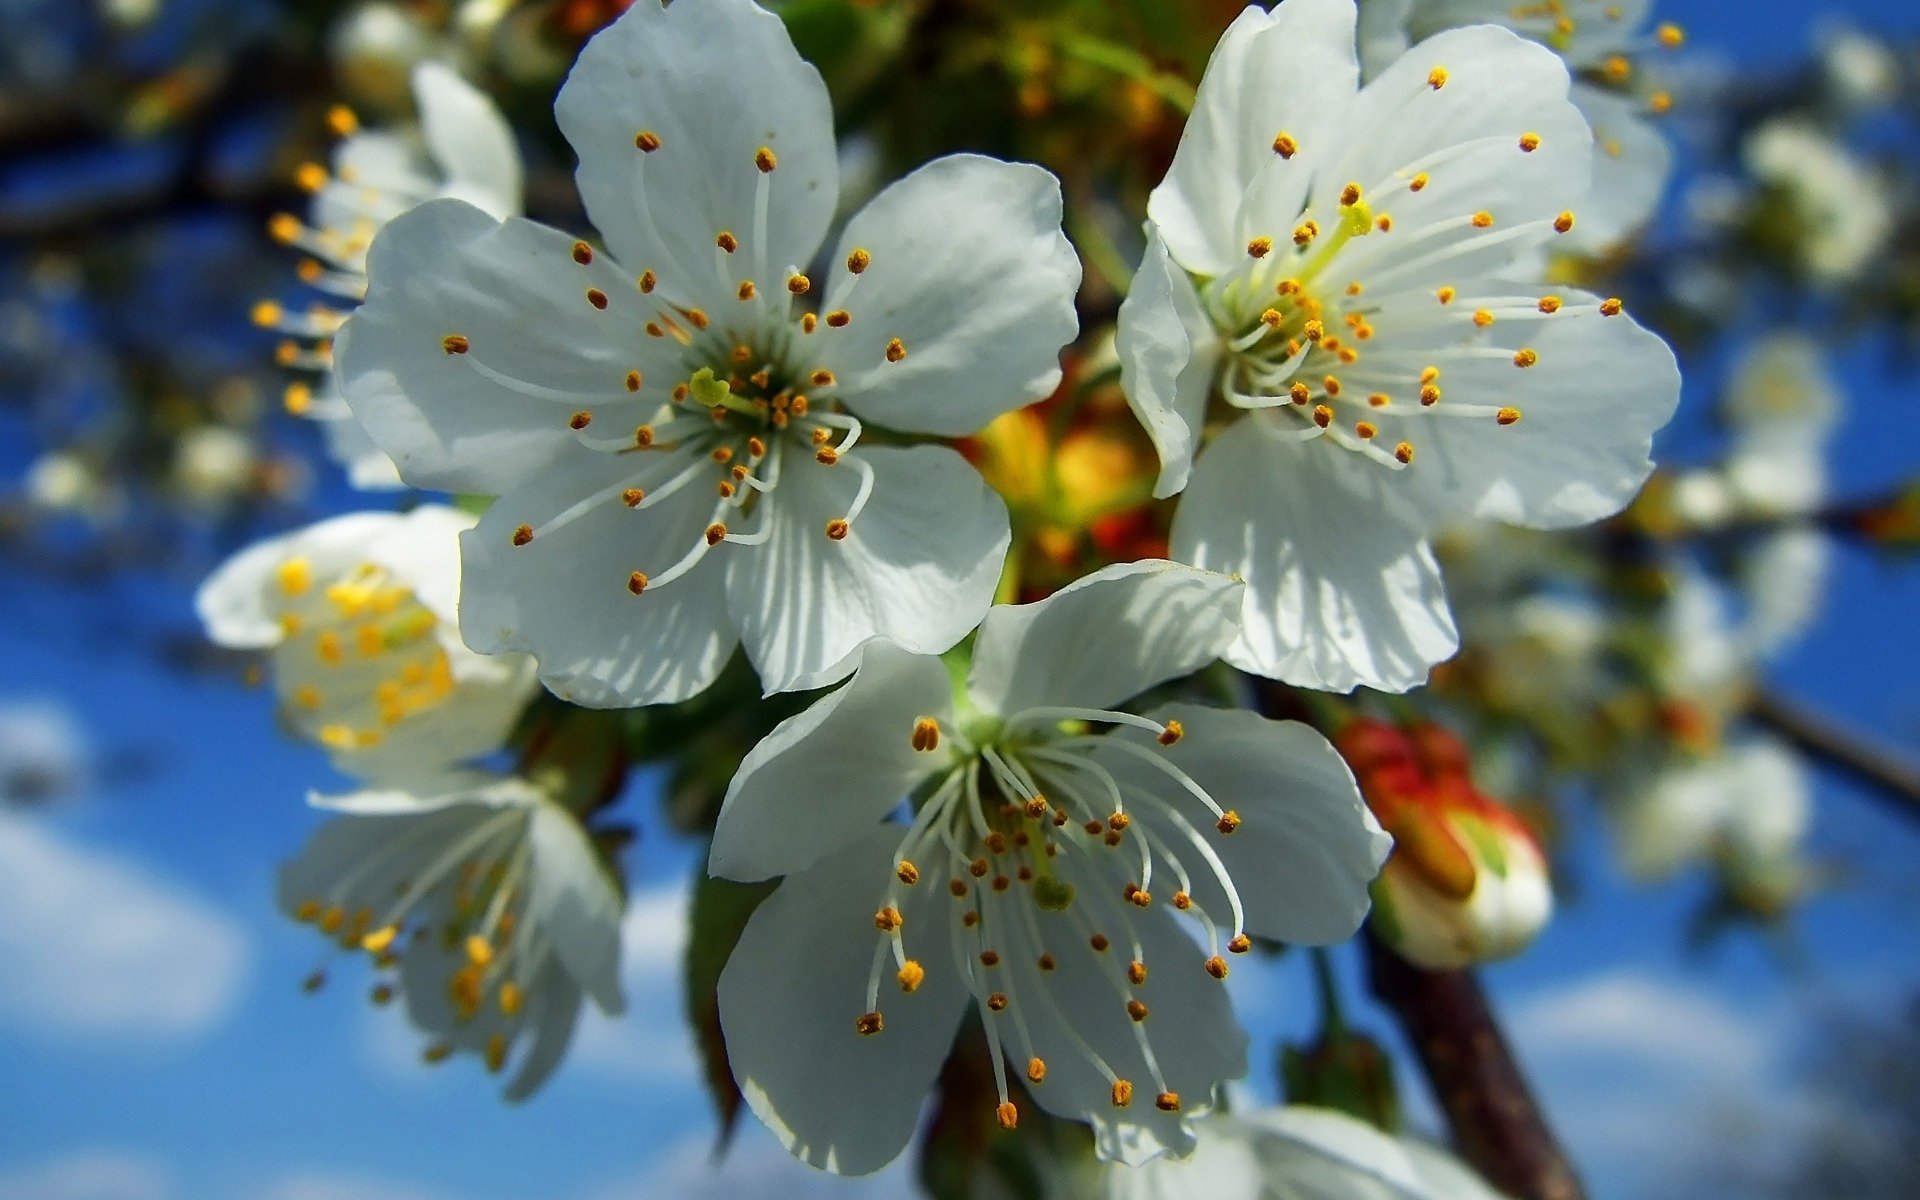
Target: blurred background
(1703,1034)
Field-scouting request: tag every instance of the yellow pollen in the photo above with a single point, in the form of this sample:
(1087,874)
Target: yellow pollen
(747,290)
(1418,182)
(837,529)
(1167,1102)
(1322,415)
(1563,222)
(1384,223)
(332,920)
(1610,307)
(1271,318)
(1350,195)
(1482,219)
(637,582)
(765,159)
(597,298)
(455,343)
(820,378)
(283,227)
(1008,1114)
(479,951)
(310,177)
(582,253)
(838,318)
(1482,317)
(1379,399)
(1300,392)
(869,1024)
(329,649)
(1366,430)
(1172,733)
(726,241)
(826,456)
(1660,103)
(1526,356)
(1137,1011)
(1284,144)
(1036,1070)
(859,260)
(1122,1093)
(647,281)
(1671,36)
(580,420)
(1549,304)
(1618,68)
(341,121)
(1446,295)
(1099,943)
(267,314)
(1136,972)
(698,317)
(911,976)
(1314,330)
(896,350)
(926,734)
(716,533)
(511,999)
(1404,452)
(1305,232)
(1260,247)
(1228,822)
(308,910)
(378,941)
(646,141)
(522,535)
(1240,944)
(1217,967)
(1429,395)
(1331,385)
(1529,142)
(888,919)
(295,576)
(907,873)
(1437,78)
(1507,416)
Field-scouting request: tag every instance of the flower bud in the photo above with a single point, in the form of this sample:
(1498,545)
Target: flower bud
(1467,881)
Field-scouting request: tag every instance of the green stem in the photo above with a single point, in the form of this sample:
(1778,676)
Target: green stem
(1332,1015)
(1130,64)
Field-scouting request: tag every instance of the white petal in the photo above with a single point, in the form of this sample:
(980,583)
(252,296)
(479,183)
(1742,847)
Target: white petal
(1307,847)
(1631,164)
(553,1011)
(1196,1039)
(824,777)
(1291,70)
(240,603)
(1599,388)
(1222,1167)
(1442,1176)
(348,443)
(1342,590)
(564,596)
(1317,1152)
(714,82)
(422,550)
(1784,578)
(470,140)
(575,903)
(1168,354)
(918,568)
(514,291)
(1382,34)
(792,991)
(970,272)
(1105,638)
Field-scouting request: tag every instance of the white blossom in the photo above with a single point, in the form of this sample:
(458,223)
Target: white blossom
(1840,211)
(358,615)
(461,148)
(1334,297)
(1604,44)
(670,423)
(488,903)
(1751,802)
(1081,889)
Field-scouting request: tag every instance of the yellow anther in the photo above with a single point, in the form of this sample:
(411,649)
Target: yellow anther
(859,260)
(1671,36)
(646,141)
(1228,822)
(1314,330)
(726,241)
(455,343)
(1660,103)
(1384,223)
(1366,431)
(1008,1114)
(341,121)
(1418,182)
(1482,219)
(698,317)
(1122,1093)
(283,227)
(497,1053)
(267,314)
(308,910)
(1350,195)
(1550,304)
(1136,972)
(1611,307)
(747,290)
(1446,294)
(1136,1010)
(1036,1070)
(1507,416)
(837,529)
(1099,943)
(310,177)
(329,649)
(511,999)
(522,535)
(1284,144)
(1404,452)
(378,941)
(1170,733)
(869,1024)
(1331,385)
(1305,232)
(295,576)
(332,920)
(1379,400)
(1437,78)
(1300,392)
(1482,317)
(1239,944)
(1618,68)
(1217,967)
(911,976)
(765,159)
(1322,415)
(907,873)
(926,734)
(821,378)
(647,282)
(479,950)
(637,582)
(896,350)
(716,533)
(989,958)
(1526,356)
(1563,222)
(1260,247)
(1167,1102)
(597,298)
(580,420)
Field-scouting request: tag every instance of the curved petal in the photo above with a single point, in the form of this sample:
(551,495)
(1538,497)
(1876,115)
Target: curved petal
(241,601)
(1105,638)
(968,270)
(469,139)
(1597,390)
(348,444)
(1222,1167)
(576,904)
(1342,590)
(1306,848)
(789,998)
(1317,1153)
(565,596)
(1631,165)
(1168,354)
(918,567)
(825,777)
(714,83)
(1382,34)
(495,410)
(422,550)
(1291,70)
(555,1011)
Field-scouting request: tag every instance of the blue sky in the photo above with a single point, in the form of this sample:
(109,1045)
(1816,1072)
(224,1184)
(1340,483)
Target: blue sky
(155,1043)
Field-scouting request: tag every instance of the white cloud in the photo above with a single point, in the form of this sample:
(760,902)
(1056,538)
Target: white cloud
(756,1169)
(99,1174)
(331,1185)
(651,1041)
(1639,1018)
(95,943)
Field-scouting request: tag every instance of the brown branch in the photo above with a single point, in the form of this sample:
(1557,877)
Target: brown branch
(1891,775)
(1496,1122)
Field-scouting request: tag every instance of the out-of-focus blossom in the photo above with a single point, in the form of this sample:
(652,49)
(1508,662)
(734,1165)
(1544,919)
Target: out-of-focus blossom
(1467,881)
(461,148)
(375,48)
(213,465)
(358,612)
(1604,43)
(670,423)
(1053,877)
(487,901)
(1748,807)
(45,756)
(66,483)
(1300,1153)
(1859,70)
(1333,282)
(1825,209)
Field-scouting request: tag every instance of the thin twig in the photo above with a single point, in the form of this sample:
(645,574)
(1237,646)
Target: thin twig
(1891,775)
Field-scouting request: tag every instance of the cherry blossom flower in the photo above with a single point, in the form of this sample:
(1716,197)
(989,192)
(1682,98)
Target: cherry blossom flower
(1334,298)
(1083,890)
(670,423)
(487,903)
(357,613)
(463,148)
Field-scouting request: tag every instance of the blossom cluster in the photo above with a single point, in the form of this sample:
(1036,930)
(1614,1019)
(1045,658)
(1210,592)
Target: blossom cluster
(742,415)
